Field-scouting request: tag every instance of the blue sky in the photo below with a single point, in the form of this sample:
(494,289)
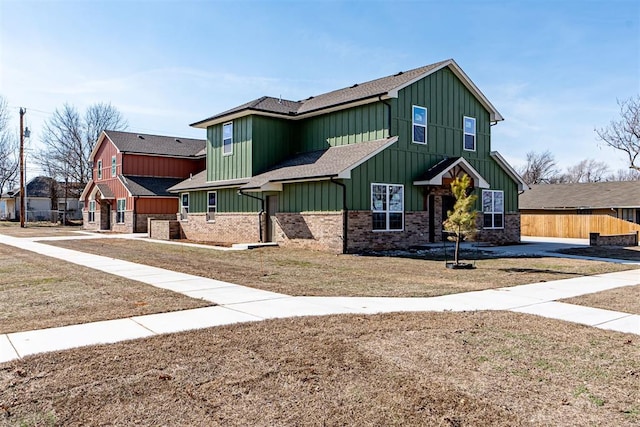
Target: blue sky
(554,69)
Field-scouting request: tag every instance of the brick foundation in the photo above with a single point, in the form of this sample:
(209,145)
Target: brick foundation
(510,233)
(362,237)
(226,228)
(312,230)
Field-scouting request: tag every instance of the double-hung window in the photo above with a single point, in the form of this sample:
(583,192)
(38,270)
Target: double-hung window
(212,200)
(184,206)
(227,138)
(92,211)
(122,205)
(113,166)
(387,207)
(469,142)
(419,115)
(493,208)
(99,169)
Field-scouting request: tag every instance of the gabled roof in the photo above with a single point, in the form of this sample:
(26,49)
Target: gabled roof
(435,174)
(590,195)
(371,91)
(144,186)
(334,162)
(39,186)
(522,185)
(104,189)
(156,145)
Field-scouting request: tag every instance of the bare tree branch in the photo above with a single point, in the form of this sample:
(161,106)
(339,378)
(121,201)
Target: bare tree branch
(69,139)
(8,150)
(540,168)
(587,170)
(624,134)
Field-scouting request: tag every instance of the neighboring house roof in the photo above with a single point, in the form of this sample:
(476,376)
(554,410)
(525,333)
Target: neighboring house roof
(371,91)
(156,145)
(436,173)
(334,162)
(199,182)
(39,186)
(143,186)
(591,195)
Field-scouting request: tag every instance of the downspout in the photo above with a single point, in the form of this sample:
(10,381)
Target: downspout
(388,114)
(241,193)
(345,215)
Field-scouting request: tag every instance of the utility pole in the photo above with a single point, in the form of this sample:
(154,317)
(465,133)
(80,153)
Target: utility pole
(22,112)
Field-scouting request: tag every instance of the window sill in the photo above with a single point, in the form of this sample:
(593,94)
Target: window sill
(387,231)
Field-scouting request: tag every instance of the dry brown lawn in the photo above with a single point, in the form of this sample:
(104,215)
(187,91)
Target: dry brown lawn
(40,292)
(306,272)
(436,369)
(44,229)
(626,300)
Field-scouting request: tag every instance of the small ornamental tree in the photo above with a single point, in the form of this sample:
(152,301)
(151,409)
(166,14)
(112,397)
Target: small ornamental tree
(461,221)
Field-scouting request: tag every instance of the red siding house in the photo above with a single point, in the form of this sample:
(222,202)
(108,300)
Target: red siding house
(131,175)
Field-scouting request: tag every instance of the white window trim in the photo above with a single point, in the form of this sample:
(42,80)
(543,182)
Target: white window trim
(413,124)
(387,212)
(184,215)
(465,133)
(113,166)
(225,153)
(92,210)
(215,207)
(99,170)
(492,212)
(123,210)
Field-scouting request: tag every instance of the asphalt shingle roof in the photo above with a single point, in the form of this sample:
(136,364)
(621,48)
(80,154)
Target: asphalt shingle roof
(319,164)
(144,186)
(589,195)
(334,98)
(199,182)
(139,143)
(105,190)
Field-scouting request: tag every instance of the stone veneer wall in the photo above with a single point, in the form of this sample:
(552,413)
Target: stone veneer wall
(142,220)
(510,233)
(126,227)
(362,237)
(311,230)
(226,228)
(91,226)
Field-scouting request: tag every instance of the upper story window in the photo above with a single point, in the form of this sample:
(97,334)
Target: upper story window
(113,166)
(184,206)
(99,169)
(212,201)
(387,207)
(419,115)
(469,134)
(227,138)
(493,208)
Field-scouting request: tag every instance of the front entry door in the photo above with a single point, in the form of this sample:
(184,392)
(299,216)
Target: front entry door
(447,205)
(272,208)
(105,215)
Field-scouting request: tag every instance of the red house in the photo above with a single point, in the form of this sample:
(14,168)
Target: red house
(131,175)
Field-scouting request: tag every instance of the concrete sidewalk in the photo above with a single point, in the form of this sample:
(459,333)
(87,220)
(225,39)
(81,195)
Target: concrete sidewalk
(243,304)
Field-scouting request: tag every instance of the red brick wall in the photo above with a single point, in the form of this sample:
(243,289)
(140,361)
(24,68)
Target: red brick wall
(312,230)
(362,237)
(227,228)
(510,233)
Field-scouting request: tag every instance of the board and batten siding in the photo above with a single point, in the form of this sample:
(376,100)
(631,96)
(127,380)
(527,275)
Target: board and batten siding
(273,142)
(357,124)
(228,200)
(160,166)
(238,164)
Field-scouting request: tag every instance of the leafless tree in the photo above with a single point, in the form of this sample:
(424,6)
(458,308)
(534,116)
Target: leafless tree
(624,134)
(587,170)
(68,140)
(540,168)
(8,150)
(625,175)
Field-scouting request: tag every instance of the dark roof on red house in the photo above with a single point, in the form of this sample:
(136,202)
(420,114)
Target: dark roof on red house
(590,195)
(144,186)
(170,146)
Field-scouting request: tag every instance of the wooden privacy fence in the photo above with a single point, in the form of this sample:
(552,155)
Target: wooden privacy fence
(573,226)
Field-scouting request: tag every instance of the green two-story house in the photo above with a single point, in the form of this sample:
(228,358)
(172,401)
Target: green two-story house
(364,167)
